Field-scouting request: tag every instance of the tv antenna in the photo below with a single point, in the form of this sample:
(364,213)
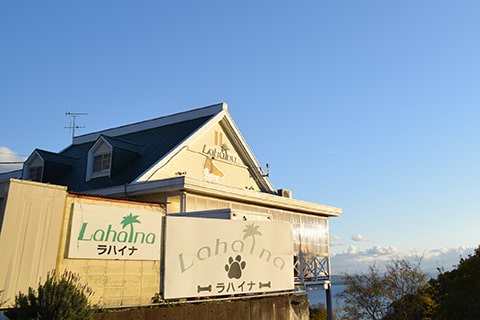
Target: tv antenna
(73,123)
(268,171)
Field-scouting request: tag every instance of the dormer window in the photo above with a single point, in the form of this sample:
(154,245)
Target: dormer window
(47,167)
(101,162)
(33,167)
(35,173)
(99,159)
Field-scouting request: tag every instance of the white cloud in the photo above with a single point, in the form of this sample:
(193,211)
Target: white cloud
(355,260)
(335,238)
(8,159)
(371,252)
(359,237)
(377,250)
(336,241)
(444,258)
(351,250)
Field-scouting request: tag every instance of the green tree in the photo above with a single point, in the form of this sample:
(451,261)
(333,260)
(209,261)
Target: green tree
(319,312)
(408,291)
(415,306)
(365,295)
(392,294)
(57,299)
(457,292)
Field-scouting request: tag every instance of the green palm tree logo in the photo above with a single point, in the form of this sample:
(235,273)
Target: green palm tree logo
(251,230)
(130,220)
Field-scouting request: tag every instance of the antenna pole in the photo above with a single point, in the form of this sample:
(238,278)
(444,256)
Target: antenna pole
(73,123)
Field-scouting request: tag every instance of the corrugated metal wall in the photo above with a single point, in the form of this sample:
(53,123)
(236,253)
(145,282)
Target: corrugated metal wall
(30,234)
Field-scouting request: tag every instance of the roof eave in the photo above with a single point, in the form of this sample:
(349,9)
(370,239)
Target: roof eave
(252,162)
(189,185)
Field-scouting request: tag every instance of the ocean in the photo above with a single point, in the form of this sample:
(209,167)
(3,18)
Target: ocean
(318,296)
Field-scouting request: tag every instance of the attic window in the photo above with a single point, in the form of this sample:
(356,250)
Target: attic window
(35,173)
(218,138)
(101,162)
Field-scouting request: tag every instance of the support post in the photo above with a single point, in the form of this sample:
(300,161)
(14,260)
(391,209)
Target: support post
(328,297)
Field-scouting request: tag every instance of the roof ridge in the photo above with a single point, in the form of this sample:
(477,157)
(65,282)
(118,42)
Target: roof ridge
(118,139)
(51,153)
(153,123)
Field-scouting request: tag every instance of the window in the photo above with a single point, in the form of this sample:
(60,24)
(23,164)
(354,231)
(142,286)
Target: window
(33,167)
(218,139)
(101,162)
(35,173)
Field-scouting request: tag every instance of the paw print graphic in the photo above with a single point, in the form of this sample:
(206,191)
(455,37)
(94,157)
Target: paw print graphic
(235,267)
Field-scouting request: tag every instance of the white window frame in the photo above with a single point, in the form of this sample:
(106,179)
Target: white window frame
(37,169)
(100,148)
(103,162)
(34,161)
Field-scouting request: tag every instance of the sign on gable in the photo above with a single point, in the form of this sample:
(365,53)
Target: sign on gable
(210,257)
(119,233)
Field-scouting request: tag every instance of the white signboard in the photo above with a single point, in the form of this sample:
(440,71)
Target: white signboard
(119,233)
(212,257)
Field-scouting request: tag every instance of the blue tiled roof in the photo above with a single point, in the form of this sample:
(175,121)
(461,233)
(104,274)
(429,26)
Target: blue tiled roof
(55,157)
(146,148)
(124,145)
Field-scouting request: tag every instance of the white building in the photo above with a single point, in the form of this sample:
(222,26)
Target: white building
(194,163)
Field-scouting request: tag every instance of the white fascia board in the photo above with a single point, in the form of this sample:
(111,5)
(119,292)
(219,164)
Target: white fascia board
(140,188)
(100,140)
(245,149)
(259,198)
(32,157)
(223,117)
(194,186)
(147,174)
(153,123)
(29,160)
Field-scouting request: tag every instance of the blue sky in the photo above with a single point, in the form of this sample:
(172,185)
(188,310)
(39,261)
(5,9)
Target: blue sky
(372,106)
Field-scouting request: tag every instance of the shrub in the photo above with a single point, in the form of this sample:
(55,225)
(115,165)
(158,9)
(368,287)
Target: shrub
(57,299)
(318,312)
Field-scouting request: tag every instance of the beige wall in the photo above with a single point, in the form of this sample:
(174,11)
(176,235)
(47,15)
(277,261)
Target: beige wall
(190,161)
(310,233)
(35,234)
(114,282)
(34,240)
(30,235)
